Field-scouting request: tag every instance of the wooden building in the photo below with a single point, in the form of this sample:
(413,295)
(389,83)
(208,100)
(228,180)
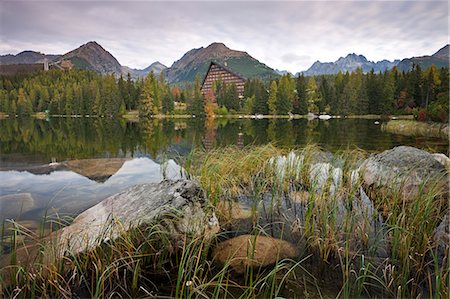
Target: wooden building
(217,72)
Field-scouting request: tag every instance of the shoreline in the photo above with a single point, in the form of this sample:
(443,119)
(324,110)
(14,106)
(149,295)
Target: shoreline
(134,116)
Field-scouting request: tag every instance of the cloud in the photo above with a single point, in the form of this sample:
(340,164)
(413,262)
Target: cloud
(292,57)
(284,35)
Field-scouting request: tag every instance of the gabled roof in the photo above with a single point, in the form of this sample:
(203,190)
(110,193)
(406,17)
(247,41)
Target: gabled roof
(225,68)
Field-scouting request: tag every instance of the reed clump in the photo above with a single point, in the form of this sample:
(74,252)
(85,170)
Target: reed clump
(348,245)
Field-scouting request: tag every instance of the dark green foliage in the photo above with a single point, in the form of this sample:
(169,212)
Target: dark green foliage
(68,92)
(195,102)
(79,92)
(255,88)
(391,92)
(285,95)
(300,105)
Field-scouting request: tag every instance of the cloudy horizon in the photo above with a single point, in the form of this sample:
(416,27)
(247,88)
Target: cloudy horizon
(284,35)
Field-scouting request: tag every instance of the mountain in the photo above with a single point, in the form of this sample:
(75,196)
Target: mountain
(196,62)
(156,67)
(350,63)
(283,72)
(92,56)
(439,59)
(26,57)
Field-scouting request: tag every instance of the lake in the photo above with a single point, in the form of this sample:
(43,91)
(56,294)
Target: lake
(108,155)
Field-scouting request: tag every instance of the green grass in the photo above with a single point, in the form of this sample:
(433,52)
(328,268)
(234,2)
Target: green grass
(338,258)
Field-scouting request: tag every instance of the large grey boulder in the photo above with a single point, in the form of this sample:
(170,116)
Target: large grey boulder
(404,167)
(180,205)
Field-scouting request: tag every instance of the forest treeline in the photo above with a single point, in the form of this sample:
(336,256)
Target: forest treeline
(424,93)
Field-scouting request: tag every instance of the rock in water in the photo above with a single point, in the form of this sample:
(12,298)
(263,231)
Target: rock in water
(13,205)
(403,167)
(180,205)
(441,239)
(253,251)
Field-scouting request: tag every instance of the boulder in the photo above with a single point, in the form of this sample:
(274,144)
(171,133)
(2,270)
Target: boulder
(248,251)
(405,169)
(179,205)
(443,159)
(13,205)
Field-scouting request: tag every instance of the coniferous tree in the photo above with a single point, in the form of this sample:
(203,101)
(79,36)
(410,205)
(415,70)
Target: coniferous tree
(285,95)
(313,96)
(146,106)
(300,105)
(387,95)
(260,96)
(195,104)
(272,101)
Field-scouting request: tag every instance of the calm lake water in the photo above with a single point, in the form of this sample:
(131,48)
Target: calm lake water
(29,187)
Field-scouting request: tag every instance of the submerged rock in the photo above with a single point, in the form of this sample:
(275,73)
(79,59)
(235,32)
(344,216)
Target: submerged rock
(180,205)
(13,205)
(403,167)
(250,251)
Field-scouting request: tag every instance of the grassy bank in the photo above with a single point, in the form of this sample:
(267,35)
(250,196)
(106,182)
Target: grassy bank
(417,128)
(339,254)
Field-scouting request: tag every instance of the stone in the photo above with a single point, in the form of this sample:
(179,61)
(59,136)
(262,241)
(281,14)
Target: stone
(12,205)
(180,205)
(441,238)
(403,167)
(253,251)
(443,159)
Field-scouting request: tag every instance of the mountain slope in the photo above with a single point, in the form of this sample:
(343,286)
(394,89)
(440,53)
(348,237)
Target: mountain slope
(92,56)
(156,67)
(350,63)
(439,59)
(26,57)
(196,62)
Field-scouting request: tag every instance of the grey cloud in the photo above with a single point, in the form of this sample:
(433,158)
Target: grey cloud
(289,34)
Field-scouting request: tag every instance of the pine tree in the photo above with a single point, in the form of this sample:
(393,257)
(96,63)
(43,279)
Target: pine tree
(231,97)
(99,108)
(313,96)
(147,95)
(272,101)
(388,92)
(260,96)
(195,104)
(300,105)
(285,95)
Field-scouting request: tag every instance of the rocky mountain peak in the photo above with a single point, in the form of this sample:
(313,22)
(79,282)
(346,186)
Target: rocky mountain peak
(443,53)
(93,56)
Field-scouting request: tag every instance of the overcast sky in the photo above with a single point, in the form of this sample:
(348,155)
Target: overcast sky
(285,35)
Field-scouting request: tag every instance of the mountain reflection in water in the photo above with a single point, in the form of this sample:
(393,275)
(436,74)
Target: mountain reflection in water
(29,187)
(68,192)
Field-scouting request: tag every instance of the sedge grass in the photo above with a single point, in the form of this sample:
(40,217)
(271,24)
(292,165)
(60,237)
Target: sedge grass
(339,237)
